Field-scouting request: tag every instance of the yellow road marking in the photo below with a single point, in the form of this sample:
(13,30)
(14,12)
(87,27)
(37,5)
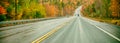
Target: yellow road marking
(39,40)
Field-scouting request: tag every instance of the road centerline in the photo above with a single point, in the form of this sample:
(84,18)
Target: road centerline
(39,40)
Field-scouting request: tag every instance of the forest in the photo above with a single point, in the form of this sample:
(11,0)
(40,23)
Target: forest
(103,10)
(32,9)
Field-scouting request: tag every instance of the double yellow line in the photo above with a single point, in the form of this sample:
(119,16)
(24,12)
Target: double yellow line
(39,40)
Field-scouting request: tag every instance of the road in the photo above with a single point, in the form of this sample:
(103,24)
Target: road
(74,29)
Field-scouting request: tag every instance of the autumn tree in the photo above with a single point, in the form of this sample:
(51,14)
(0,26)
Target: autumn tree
(31,9)
(2,13)
(97,8)
(51,10)
(68,10)
(115,8)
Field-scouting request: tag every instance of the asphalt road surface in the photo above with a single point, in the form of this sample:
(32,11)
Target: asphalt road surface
(75,30)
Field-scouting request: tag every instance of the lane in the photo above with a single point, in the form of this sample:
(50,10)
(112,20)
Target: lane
(80,31)
(22,28)
(28,24)
(92,34)
(28,33)
(50,33)
(65,34)
(112,29)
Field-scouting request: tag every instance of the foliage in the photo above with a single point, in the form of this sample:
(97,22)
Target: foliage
(2,10)
(31,9)
(2,17)
(98,8)
(115,8)
(51,10)
(21,9)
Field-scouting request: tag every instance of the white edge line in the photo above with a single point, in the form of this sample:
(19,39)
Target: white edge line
(107,33)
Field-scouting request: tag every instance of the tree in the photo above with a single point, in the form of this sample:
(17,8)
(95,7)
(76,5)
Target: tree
(115,8)
(2,13)
(51,10)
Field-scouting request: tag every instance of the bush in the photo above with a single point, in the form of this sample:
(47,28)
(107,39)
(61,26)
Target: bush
(2,17)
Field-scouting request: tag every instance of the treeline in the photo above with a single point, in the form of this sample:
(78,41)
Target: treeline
(21,9)
(102,8)
(31,9)
(60,7)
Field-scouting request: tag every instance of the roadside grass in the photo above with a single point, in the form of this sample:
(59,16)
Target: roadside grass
(106,20)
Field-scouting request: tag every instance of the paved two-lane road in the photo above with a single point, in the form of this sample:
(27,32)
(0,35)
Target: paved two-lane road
(75,30)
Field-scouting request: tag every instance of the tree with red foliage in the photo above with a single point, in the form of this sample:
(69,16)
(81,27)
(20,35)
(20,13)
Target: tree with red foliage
(2,10)
(2,13)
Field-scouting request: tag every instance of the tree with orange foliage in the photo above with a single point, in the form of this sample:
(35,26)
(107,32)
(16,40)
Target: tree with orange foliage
(115,8)
(68,10)
(2,10)
(2,13)
(51,10)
